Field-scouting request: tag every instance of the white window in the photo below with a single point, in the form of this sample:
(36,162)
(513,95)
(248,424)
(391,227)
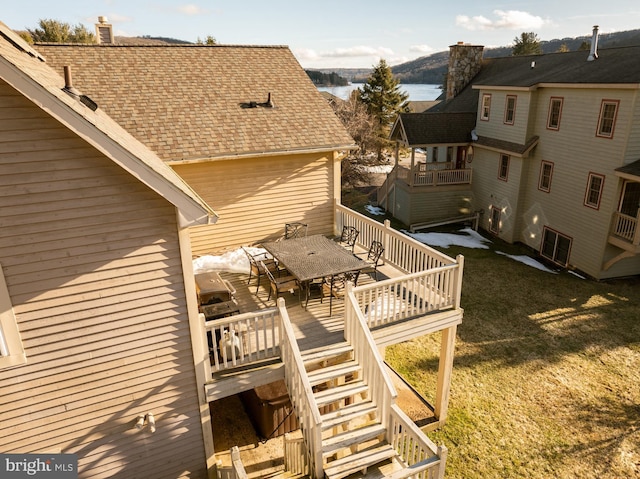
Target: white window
(607,120)
(546,171)
(486,107)
(555,110)
(11,350)
(510,110)
(555,247)
(594,190)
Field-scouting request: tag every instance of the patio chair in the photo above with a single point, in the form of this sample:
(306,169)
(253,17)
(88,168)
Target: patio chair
(348,237)
(373,258)
(295,230)
(335,286)
(259,264)
(282,284)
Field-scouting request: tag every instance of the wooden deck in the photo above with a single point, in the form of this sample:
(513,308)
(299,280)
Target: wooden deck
(314,326)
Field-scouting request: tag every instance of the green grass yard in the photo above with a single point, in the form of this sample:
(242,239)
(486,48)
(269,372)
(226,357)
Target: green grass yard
(546,380)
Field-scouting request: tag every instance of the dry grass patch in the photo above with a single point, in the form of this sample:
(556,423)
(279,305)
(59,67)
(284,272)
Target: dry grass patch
(546,378)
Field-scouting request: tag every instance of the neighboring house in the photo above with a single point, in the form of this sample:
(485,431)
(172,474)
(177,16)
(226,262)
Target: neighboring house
(100,315)
(96,285)
(554,151)
(244,126)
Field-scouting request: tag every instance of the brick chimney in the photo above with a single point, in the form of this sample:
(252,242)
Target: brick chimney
(465,61)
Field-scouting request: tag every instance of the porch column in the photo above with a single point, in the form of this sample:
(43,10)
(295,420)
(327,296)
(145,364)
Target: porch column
(445,368)
(413,162)
(397,153)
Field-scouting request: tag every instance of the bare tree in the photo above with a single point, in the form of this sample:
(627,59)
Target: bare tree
(363,128)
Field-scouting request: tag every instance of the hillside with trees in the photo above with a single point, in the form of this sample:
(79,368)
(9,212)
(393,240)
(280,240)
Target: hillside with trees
(431,69)
(326,79)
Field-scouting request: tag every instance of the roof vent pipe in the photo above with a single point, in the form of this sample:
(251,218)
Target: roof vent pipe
(68,84)
(593,54)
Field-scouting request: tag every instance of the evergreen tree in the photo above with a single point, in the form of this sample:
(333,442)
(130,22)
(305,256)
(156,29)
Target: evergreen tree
(526,44)
(55,31)
(382,96)
(209,40)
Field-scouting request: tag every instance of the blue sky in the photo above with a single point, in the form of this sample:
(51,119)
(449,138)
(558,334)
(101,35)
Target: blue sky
(342,33)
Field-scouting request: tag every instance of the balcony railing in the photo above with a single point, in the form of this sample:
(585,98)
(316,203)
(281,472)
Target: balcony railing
(626,227)
(439,174)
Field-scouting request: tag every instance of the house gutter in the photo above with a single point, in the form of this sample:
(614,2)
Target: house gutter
(261,154)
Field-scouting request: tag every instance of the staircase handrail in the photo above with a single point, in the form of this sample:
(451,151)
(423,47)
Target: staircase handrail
(383,392)
(301,393)
(417,451)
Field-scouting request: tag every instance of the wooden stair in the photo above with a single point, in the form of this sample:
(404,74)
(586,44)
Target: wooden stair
(353,437)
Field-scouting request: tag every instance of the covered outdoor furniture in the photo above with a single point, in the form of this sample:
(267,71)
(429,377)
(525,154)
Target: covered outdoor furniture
(259,264)
(295,230)
(280,284)
(313,258)
(335,285)
(348,237)
(373,258)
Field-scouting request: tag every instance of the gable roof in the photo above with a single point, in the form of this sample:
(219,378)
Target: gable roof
(614,66)
(421,129)
(24,69)
(192,102)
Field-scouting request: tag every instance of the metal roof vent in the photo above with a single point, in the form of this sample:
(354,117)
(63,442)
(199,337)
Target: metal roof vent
(71,91)
(254,104)
(593,54)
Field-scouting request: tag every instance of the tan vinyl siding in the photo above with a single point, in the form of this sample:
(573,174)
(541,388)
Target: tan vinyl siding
(92,263)
(575,151)
(255,197)
(495,127)
(491,192)
(428,204)
(633,147)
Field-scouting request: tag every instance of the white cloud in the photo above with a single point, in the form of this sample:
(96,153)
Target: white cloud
(357,51)
(421,49)
(506,20)
(191,9)
(343,57)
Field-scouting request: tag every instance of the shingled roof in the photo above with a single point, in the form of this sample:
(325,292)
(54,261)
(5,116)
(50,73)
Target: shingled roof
(614,66)
(421,129)
(200,102)
(24,69)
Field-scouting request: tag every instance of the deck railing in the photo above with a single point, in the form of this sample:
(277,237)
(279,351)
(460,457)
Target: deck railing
(392,300)
(436,176)
(424,460)
(365,353)
(242,339)
(401,251)
(301,393)
(626,227)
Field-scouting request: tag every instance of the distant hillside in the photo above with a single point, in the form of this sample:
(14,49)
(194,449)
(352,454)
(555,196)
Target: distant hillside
(149,40)
(326,79)
(431,69)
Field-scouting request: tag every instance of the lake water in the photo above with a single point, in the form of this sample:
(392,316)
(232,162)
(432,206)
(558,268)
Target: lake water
(416,92)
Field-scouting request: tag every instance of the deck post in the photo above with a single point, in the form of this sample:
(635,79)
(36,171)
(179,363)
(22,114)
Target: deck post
(445,369)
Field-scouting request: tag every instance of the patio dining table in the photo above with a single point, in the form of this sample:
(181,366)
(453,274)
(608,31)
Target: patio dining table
(313,257)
